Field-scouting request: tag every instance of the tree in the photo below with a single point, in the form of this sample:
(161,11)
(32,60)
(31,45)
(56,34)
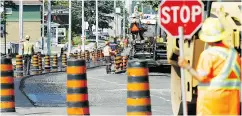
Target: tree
(104,8)
(154,3)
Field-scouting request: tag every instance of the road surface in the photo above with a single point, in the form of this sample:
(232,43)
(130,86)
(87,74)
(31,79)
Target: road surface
(107,94)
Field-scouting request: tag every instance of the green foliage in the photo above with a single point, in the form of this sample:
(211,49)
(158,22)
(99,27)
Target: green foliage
(63,41)
(154,3)
(104,7)
(57,3)
(77,40)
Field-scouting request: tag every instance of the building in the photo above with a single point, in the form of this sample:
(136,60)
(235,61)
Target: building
(31,21)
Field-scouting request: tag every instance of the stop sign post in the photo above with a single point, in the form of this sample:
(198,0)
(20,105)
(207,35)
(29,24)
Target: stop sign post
(181,19)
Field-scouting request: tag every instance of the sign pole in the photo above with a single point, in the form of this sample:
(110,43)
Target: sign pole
(20,27)
(49,29)
(97,23)
(69,30)
(83,28)
(181,41)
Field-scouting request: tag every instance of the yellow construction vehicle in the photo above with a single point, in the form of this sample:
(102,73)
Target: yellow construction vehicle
(230,14)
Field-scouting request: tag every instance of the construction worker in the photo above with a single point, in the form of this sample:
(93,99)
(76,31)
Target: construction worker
(28,51)
(218,72)
(107,52)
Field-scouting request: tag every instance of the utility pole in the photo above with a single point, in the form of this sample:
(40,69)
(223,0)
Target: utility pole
(97,23)
(115,26)
(69,30)
(43,26)
(49,28)
(83,28)
(20,27)
(124,19)
(4,31)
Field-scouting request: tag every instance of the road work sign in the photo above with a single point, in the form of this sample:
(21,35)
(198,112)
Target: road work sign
(181,13)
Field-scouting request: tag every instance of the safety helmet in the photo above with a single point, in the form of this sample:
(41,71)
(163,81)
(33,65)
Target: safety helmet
(133,15)
(27,37)
(212,30)
(137,3)
(106,42)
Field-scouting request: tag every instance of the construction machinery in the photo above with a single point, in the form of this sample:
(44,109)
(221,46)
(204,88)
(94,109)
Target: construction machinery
(230,14)
(148,49)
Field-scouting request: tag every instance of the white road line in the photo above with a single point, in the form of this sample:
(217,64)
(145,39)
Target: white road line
(126,89)
(160,97)
(106,81)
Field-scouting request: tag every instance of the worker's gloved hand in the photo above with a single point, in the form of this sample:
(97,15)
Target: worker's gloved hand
(183,63)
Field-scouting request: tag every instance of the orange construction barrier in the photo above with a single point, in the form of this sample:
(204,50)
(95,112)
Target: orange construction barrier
(138,101)
(55,63)
(7,86)
(19,66)
(35,63)
(77,92)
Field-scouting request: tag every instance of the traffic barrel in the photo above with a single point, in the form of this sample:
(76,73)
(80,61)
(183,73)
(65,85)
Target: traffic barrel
(93,57)
(83,55)
(7,86)
(98,54)
(19,66)
(87,55)
(117,61)
(79,55)
(55,63)
(102,55)
(71,55)
(64,60)
(35,64)
(47,63)
(77,92)
(75,55)
(125,61)
(138,95)
(40,63)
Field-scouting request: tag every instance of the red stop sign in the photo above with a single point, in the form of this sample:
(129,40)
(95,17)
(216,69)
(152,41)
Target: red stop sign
(185,13)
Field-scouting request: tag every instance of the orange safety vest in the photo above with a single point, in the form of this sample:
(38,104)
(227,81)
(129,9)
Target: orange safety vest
(134,28)
(221,95)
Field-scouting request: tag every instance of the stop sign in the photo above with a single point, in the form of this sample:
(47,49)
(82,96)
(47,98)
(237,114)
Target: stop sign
(185,13)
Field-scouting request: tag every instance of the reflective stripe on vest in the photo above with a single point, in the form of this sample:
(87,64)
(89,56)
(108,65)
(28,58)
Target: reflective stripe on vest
(222,81)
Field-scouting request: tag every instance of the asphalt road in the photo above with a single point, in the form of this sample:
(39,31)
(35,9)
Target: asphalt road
(107,94)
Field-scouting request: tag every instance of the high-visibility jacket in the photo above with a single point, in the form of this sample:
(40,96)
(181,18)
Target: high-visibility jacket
(134,28)
(28,48)
(106,51)
(220,95)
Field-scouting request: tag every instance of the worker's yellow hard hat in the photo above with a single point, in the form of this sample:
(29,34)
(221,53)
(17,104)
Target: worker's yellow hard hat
(106,42)
(212,30)
(27,37)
